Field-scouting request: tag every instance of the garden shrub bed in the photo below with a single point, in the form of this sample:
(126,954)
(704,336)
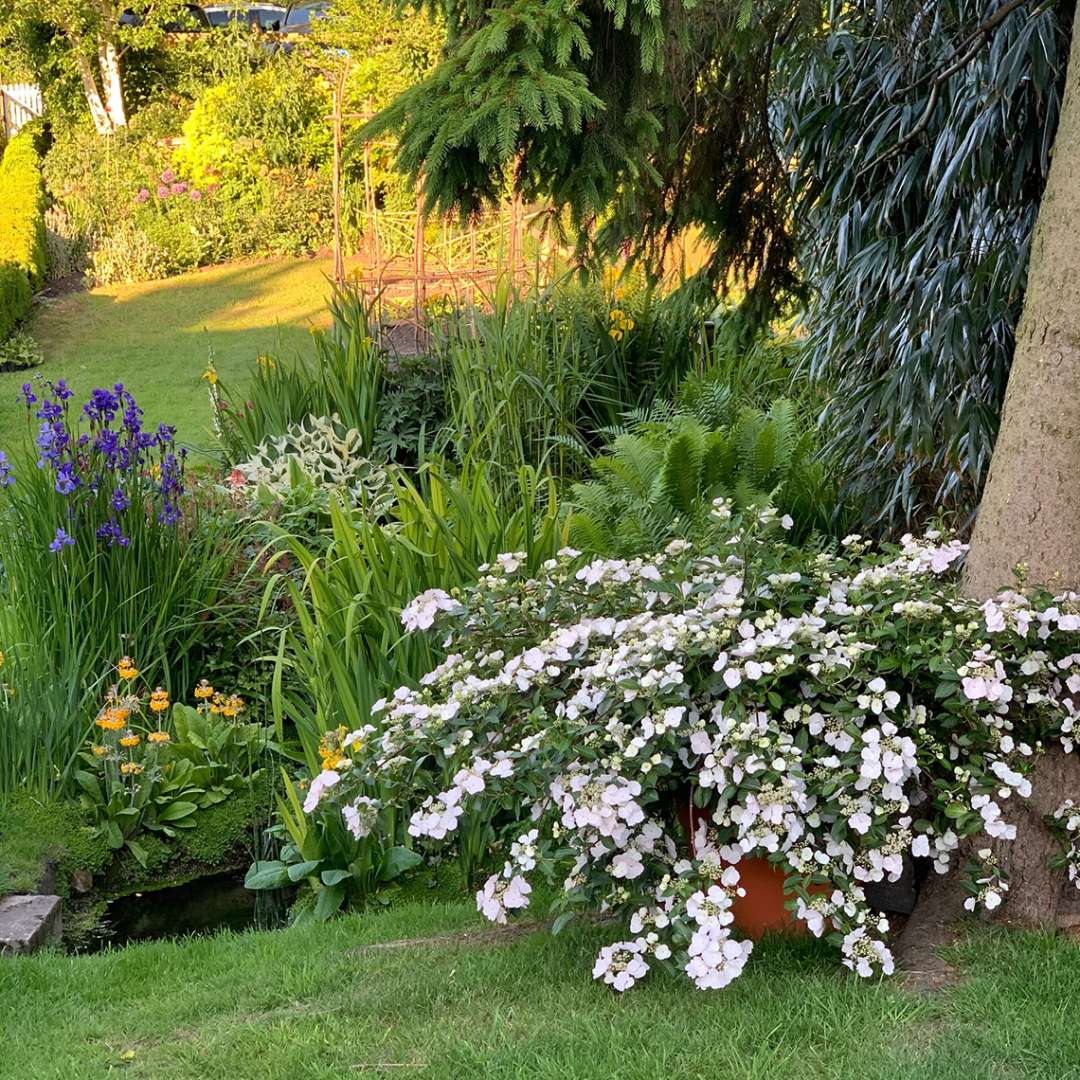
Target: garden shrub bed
(22,207)
(15,297)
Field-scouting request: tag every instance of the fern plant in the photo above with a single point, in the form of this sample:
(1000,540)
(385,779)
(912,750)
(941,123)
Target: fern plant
(658,478)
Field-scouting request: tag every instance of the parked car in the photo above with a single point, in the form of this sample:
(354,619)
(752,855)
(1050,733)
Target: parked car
(195,21)
(301,17)
(259,16)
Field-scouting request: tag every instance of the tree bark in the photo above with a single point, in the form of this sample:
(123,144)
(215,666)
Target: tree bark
(1029,517)
(1029,512)
(1039,898)
(103,124)
(109,63)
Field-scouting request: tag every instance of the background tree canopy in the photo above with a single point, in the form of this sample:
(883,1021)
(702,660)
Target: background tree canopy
(745,121)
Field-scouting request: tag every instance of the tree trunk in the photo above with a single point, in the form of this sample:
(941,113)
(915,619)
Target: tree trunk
(1030,512)
(103,124)
(1029,516)
(109,63)
(1039,898)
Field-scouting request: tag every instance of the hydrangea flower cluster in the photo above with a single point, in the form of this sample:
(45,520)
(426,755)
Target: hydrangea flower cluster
(106,467)
(832,712)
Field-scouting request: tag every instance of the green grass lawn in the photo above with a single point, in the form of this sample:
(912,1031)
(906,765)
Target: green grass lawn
(327,1002)
(156,337)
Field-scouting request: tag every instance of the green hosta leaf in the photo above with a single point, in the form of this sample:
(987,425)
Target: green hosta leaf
(177,811)
(299,871)
(335,877)
(138,851)
(271,874)
(89,783)
(329,901)
(191,726)
(398,860)
(561,922)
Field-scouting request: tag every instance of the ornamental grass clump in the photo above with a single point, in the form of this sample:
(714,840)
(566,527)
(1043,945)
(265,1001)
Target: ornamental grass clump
(830,711)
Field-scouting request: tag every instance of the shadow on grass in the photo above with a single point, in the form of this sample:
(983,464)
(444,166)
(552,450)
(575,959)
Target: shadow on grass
(156,339)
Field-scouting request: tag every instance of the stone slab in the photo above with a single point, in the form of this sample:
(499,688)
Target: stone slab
(28,923)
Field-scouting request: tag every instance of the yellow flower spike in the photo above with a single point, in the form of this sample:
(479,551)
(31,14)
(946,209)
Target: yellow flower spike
(210,375)
(130,739)
(126,669)
(159,700)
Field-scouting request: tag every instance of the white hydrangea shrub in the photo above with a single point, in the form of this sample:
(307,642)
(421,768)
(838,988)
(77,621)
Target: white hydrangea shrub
(830,711)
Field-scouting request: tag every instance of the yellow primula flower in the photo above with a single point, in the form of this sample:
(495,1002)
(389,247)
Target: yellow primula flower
(330,748)
(159,737)
(130,768)
(111,719)
(232,706)
(159,700)
(204,691)
(130,739)
(126,669)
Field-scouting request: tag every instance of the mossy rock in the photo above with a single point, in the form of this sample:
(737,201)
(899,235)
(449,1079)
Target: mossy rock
(219,840)
(40,838)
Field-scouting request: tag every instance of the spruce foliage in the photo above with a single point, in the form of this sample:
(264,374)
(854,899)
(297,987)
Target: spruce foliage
(639,118)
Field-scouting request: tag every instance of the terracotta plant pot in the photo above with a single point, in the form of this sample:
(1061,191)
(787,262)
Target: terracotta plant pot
(762,909)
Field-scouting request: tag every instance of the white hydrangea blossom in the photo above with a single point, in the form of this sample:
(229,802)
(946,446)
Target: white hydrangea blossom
(752,686)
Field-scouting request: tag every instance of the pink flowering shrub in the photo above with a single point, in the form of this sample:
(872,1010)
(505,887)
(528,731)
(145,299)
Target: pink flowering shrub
(833,712)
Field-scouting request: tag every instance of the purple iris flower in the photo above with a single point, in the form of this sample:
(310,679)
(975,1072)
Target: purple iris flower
(61,541)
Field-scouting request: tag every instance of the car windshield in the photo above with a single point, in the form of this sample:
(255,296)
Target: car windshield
(298,16)
(269,18)
(221,16)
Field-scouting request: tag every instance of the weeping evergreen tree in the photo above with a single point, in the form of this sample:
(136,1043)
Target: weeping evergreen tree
(639,118)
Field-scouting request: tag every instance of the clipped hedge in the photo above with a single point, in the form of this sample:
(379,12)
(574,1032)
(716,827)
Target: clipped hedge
(15,296)
(22,207)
